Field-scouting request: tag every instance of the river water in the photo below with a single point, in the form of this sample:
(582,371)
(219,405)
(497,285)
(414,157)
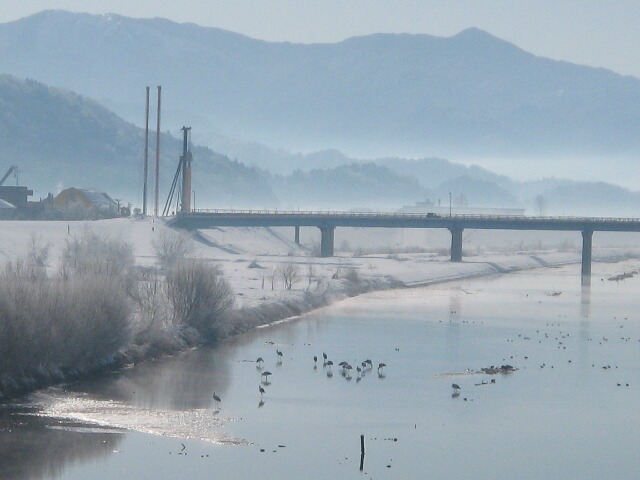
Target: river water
(569,411)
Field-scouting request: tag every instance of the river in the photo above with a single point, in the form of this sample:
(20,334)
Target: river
(569,410)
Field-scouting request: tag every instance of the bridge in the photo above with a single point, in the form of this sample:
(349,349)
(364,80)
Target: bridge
(328,221)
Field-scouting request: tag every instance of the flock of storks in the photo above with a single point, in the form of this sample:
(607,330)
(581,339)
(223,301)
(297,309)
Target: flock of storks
(347,371)
(347,368)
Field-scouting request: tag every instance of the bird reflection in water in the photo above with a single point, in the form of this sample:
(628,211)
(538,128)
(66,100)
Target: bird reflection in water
(456,390)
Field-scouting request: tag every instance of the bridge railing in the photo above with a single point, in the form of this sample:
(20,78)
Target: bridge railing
(347,214)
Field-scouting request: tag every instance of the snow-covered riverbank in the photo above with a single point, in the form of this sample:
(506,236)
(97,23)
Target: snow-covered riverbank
(253,259)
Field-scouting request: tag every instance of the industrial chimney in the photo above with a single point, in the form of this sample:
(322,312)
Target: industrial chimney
(146,159)
(157,191)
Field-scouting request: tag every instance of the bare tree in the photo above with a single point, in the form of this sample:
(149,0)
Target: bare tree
(171,248)
(290,274)
(541,204)
(310,271)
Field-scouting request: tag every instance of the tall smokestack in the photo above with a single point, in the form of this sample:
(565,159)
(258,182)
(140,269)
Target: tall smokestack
(146,159)
(158,153)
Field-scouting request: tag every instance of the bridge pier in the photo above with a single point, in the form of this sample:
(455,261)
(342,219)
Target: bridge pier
(587,237)
(456,243)
(297,235)
(326,241)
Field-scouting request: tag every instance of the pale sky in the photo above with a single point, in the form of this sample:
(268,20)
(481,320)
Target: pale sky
(597,33)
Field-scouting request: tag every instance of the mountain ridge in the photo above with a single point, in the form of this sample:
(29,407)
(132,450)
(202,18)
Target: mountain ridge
(471,94)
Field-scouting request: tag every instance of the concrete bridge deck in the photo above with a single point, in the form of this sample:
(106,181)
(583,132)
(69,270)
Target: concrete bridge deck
(328,221)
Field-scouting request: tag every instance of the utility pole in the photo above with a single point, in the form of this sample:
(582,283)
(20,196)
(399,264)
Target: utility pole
(449,204)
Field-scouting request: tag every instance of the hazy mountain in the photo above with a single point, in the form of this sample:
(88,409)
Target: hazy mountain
(433,172)
(60,139)
(436,178)
(470,94)
(360,185)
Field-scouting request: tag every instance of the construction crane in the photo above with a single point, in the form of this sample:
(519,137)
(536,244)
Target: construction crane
(12,168)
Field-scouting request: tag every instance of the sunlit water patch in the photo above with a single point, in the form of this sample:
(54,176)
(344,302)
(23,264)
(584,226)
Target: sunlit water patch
(117,416)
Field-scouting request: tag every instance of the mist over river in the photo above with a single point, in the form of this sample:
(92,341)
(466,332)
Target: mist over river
(570,410)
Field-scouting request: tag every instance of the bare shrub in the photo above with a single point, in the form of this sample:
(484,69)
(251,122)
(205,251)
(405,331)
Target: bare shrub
(345,246)
(352,275)
(51,325)
(315,249)
(71,322)
(200,297)
(92,254)
(38,254)
(96,313)
(290,273)
(150,297)
(359,252)
(172,248)
(33,265)
(21,268)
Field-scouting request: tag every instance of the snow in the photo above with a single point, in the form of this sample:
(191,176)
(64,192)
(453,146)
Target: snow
(250,257)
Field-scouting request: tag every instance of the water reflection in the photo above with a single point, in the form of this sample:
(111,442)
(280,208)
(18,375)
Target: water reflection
(184,382)
(585,300)
(453,330)
(455,304)
(585,314)
(35,447)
